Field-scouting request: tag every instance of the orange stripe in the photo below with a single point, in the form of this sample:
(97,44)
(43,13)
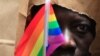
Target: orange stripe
(38,45)
(28,32)
(34,37)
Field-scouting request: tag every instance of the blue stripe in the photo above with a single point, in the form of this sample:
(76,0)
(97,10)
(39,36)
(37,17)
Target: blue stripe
(55,31)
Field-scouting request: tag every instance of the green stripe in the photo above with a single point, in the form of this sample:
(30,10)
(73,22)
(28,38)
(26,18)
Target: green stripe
(53,24)
(41,52)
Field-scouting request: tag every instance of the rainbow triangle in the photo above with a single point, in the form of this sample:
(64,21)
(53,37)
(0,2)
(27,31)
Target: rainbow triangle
(55,36)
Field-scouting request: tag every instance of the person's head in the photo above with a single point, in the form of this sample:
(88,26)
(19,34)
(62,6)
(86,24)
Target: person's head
(79,28)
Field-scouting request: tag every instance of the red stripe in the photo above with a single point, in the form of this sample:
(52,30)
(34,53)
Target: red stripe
(51,10)
(34,37)
(20,47)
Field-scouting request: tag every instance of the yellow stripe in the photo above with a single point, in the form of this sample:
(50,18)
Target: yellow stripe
(38,45)
(52,18)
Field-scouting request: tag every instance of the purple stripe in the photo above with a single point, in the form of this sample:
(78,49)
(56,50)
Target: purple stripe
(52,48)
(54,42)
(55,39)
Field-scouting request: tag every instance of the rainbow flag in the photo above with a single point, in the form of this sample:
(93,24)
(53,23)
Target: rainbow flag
(31,43)
(55,36)
(33,39)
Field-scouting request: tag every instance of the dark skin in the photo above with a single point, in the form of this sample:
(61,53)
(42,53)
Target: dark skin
(80,26)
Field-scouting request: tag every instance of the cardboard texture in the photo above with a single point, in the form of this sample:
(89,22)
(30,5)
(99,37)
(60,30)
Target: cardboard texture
(13,17)
(8,26)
